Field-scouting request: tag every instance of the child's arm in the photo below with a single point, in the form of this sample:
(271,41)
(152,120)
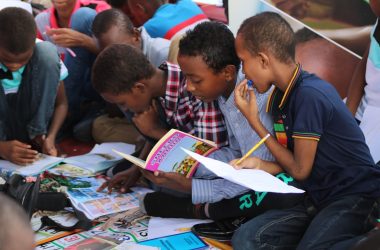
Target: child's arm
(148,123)
(66,37)
(300,163)
(17,152)
(59,116)
(356,89)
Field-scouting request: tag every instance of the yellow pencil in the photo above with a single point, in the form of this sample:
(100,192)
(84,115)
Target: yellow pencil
(253,149)
(217,244)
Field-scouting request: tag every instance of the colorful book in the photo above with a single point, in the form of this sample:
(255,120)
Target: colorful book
(183,241)
(167,155)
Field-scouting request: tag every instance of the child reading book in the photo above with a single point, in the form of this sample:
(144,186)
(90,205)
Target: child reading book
(32,99)
(155,98)
(212,78)
(317,141)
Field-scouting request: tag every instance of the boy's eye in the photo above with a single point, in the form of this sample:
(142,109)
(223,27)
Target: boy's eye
(196,81)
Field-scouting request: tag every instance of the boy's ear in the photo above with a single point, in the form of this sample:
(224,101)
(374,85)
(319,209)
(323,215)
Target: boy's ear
(136,35)
(264,59)
(229,72)
(139,88)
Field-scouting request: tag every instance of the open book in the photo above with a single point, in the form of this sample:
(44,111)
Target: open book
(167,155)
(101,157)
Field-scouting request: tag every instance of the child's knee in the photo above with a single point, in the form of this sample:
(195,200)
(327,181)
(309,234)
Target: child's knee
(46,55)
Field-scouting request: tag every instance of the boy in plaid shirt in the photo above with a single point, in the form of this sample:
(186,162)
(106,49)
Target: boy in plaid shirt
(158,99)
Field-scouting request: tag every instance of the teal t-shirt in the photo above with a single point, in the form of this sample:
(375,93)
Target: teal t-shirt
(12,86)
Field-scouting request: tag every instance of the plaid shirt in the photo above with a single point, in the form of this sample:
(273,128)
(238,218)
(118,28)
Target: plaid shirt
(186,113)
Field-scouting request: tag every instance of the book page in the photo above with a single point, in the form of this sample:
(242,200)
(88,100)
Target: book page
(43,163)
(131,158)
(254,179)
(167,155)
(101,156)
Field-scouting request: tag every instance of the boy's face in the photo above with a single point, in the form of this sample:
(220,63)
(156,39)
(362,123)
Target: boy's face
(15,61)
(137,100)
(375,6)
(139,14)
(115,36)
(201,80)
(253,67)
(63,4)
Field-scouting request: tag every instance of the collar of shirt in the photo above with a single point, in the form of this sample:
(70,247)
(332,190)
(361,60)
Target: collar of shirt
(145,38)
(174,85)
(11,86)
(53,15)
(279,98)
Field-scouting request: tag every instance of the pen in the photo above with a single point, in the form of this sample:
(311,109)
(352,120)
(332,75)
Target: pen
(253,149)
(250,84)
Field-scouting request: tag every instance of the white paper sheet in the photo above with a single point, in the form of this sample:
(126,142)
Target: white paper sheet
(159,227)
(210,2)
(257,180)
(370,126)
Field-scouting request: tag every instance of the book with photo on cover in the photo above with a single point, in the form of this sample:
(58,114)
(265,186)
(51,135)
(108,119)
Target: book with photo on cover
(167,155)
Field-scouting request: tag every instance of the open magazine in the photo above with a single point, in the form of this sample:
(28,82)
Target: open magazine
(167,155)
(100,158)
(95,204)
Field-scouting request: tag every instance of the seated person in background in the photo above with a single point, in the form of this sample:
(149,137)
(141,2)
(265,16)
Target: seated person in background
(33,103)
(16,232)
(114,27)
(68,25)
(155,98)
(342,183)
(209,61)
(325,59)
(163,19)
(363,98)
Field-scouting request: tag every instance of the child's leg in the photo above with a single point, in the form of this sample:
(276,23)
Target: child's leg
(340,221)
(79,66)
(31,108)
(251,204)
(275,229)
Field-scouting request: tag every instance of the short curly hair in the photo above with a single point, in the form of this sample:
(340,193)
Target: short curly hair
(18,30)
(117,69)
(105,20)
(268,31)
(214,42)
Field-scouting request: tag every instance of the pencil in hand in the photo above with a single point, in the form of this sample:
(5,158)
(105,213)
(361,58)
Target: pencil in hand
(253,149)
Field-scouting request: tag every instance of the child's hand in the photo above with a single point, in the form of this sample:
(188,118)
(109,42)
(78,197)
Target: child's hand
(245,100)
(66,37)
(250,162)
(123,180)
(18,152)
(171,180)
(48,146)
(148,123)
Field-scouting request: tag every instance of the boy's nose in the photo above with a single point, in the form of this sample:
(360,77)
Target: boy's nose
(190,87)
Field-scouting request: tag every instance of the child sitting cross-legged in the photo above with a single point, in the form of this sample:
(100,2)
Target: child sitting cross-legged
(33,103)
